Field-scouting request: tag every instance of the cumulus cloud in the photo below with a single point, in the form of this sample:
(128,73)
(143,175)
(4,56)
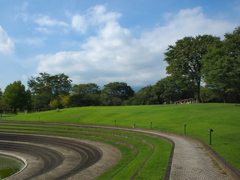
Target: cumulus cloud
(115,54)
(6,44)
(79,23)
(95,16)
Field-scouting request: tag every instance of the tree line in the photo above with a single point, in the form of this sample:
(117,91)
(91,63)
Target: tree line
(203,67)
(56,91)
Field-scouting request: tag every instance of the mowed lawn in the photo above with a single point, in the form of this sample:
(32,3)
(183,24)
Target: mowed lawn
(224,119)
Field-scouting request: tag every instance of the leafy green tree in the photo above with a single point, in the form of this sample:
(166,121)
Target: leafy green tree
(41,101)
(48,87)
(185,60)
(1,93)
(28,105)
(164,90)
(55,103)
(76,100)
(222,64)
(2,107)
(88,94)
(15,96)
(64,99)
(168,90)
(143,97)
(209,95)
(115,93)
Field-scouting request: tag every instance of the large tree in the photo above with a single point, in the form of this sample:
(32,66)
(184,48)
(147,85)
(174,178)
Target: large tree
(85,95)
(185,60)
(15,96)
(167,90)
(222,64)
(144,96)
(115,93)
(48,87)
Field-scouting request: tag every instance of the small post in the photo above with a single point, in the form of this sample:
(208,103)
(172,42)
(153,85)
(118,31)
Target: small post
(184,128)
(210,130)
(115,122)
(134,125)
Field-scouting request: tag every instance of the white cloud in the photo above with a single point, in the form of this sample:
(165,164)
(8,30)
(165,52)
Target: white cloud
(114,54)
(44,20)
(99,14)
(96,16)
(79,23)
(6,44)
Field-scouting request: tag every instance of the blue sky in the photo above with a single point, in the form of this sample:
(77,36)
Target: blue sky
(102,41)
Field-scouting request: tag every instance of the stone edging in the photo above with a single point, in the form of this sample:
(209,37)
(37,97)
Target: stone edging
(169,165)
(24,161)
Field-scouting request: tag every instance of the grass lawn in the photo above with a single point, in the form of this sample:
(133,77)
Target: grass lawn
(222,118)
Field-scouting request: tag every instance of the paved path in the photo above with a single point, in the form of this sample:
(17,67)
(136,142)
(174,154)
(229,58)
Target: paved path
(191,162)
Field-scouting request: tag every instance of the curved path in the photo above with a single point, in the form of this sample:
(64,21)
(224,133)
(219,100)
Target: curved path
(189,161)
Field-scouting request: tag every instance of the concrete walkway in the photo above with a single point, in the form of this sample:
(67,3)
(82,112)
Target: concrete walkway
(191,162)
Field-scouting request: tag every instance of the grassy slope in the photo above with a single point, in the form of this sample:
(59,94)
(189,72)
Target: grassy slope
(222,118)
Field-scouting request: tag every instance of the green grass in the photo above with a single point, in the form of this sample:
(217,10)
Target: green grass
(222,118)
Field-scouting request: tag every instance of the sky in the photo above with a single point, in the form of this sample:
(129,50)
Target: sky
(103,41)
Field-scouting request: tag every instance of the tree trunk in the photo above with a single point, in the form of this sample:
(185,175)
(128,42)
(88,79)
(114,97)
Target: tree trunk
(225,97)
(198,92)
(15,111)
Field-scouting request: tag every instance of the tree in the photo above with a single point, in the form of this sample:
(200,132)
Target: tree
(47,88)
(185,60)
(167,90)
(15,96)
(64,99)
(115,93)
(209,95)
(1,93)
(3,106)
(54,104)
(76,100)
(143,97)
(28,105)
(88,94)
(222,64)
